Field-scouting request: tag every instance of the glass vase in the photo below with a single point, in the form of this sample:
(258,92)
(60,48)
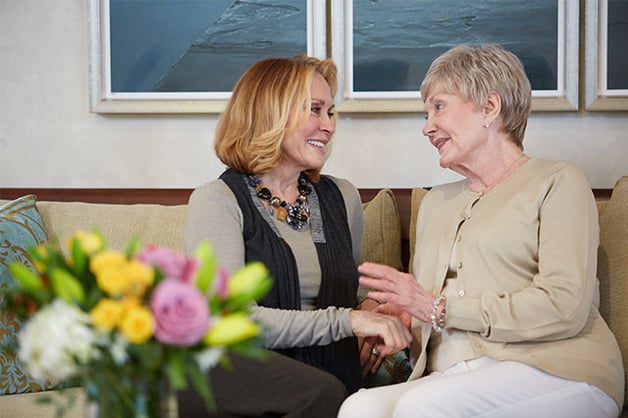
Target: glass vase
(132,399)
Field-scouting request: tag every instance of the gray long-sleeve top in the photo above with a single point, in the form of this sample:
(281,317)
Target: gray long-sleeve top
(213,214)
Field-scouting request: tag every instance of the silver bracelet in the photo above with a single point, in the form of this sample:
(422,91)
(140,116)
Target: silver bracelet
(439,323)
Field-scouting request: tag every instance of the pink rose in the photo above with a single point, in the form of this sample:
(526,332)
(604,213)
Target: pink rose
(181,313)
(172,264)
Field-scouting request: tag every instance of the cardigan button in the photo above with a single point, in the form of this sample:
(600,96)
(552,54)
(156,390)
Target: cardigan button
(459,265)
(461,292)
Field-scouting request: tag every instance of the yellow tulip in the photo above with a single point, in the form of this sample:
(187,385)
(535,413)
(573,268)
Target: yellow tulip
(138,325)
(247,278)
(231,329)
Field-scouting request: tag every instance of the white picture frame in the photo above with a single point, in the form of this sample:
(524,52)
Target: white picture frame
(564,98)
(103,100)
(598,97)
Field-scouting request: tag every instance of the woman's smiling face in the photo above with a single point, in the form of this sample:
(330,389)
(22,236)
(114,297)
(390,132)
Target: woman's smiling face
(305,148)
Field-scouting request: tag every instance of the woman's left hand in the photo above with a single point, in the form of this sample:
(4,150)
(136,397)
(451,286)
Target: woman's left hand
(393,286)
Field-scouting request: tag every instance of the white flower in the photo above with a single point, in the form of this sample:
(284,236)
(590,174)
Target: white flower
(209,357)
(118,349)
(54,340)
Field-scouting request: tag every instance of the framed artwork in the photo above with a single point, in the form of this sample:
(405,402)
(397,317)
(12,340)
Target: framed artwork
(184,56)
(606,55)
(384,48)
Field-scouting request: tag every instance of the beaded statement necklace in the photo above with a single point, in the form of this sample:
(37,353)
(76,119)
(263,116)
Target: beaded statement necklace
(297,214)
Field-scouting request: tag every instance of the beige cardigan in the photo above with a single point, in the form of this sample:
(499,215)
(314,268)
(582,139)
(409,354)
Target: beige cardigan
(527,259)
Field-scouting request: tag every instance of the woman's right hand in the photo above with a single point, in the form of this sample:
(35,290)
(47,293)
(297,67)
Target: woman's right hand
(387,334)
(390,286)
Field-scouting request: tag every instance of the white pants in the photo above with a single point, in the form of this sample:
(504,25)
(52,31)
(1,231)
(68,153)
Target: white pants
(482,388)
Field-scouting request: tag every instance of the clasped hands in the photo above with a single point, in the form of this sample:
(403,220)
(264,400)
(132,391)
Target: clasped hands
(401,299)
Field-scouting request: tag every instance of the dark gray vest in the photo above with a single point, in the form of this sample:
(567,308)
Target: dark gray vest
(339,276)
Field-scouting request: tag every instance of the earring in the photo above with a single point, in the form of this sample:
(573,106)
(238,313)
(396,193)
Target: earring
(486,125)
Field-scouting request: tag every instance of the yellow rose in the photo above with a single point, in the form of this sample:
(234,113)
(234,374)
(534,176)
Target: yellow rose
(106,314)
(89,242)
(130,302)
(231,329)
(106,259)
(138,325)
(112,280)
(139,276)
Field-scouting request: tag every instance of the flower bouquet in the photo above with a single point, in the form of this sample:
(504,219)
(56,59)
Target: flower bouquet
(132,327)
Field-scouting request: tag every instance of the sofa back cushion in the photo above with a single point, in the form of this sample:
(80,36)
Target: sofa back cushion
(153,224)
(381,238)
(612,269)
(415,201)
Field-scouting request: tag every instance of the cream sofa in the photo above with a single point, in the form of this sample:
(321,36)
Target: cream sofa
(382,242)
(163,225)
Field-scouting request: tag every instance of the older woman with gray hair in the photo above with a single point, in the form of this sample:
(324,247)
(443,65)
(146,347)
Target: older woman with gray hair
(504,297)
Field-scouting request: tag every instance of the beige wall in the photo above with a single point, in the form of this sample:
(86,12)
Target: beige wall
(48,137)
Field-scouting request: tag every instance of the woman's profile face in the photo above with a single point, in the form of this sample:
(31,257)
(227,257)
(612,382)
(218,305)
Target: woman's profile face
(305,148)
(454,126)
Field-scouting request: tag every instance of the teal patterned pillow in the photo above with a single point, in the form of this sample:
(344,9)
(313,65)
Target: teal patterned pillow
(21,227)
(394,369)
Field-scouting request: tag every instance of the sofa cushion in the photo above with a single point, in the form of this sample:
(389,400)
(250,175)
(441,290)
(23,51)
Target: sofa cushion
(21,227)
(381,239)
(612,269)
(415,203)
(153,224)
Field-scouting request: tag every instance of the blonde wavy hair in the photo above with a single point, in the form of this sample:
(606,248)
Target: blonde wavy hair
(475,71)
(269,102)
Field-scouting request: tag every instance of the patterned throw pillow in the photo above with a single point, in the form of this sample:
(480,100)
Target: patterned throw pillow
(395,368)
(21,227)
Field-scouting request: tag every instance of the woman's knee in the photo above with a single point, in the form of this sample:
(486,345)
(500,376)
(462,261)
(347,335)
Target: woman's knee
(330,387)
(363,404)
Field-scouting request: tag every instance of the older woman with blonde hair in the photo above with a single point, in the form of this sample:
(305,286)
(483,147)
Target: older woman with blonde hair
(273,205)
(504,298)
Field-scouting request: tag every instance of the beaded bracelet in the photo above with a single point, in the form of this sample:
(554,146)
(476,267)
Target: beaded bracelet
(439,324)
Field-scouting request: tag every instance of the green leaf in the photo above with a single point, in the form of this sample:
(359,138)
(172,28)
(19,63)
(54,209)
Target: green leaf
(79,257)
(150,355)
(66,286)
(208,265)
(176,370)
(132,247)
(250,348)
(26,278)
(202,384)
(225,362)
(36,255)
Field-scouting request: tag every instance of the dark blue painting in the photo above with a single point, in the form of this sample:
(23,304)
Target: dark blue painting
(394,41)
(198,45)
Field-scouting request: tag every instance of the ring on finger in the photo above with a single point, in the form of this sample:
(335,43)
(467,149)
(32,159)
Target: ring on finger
(375,352)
